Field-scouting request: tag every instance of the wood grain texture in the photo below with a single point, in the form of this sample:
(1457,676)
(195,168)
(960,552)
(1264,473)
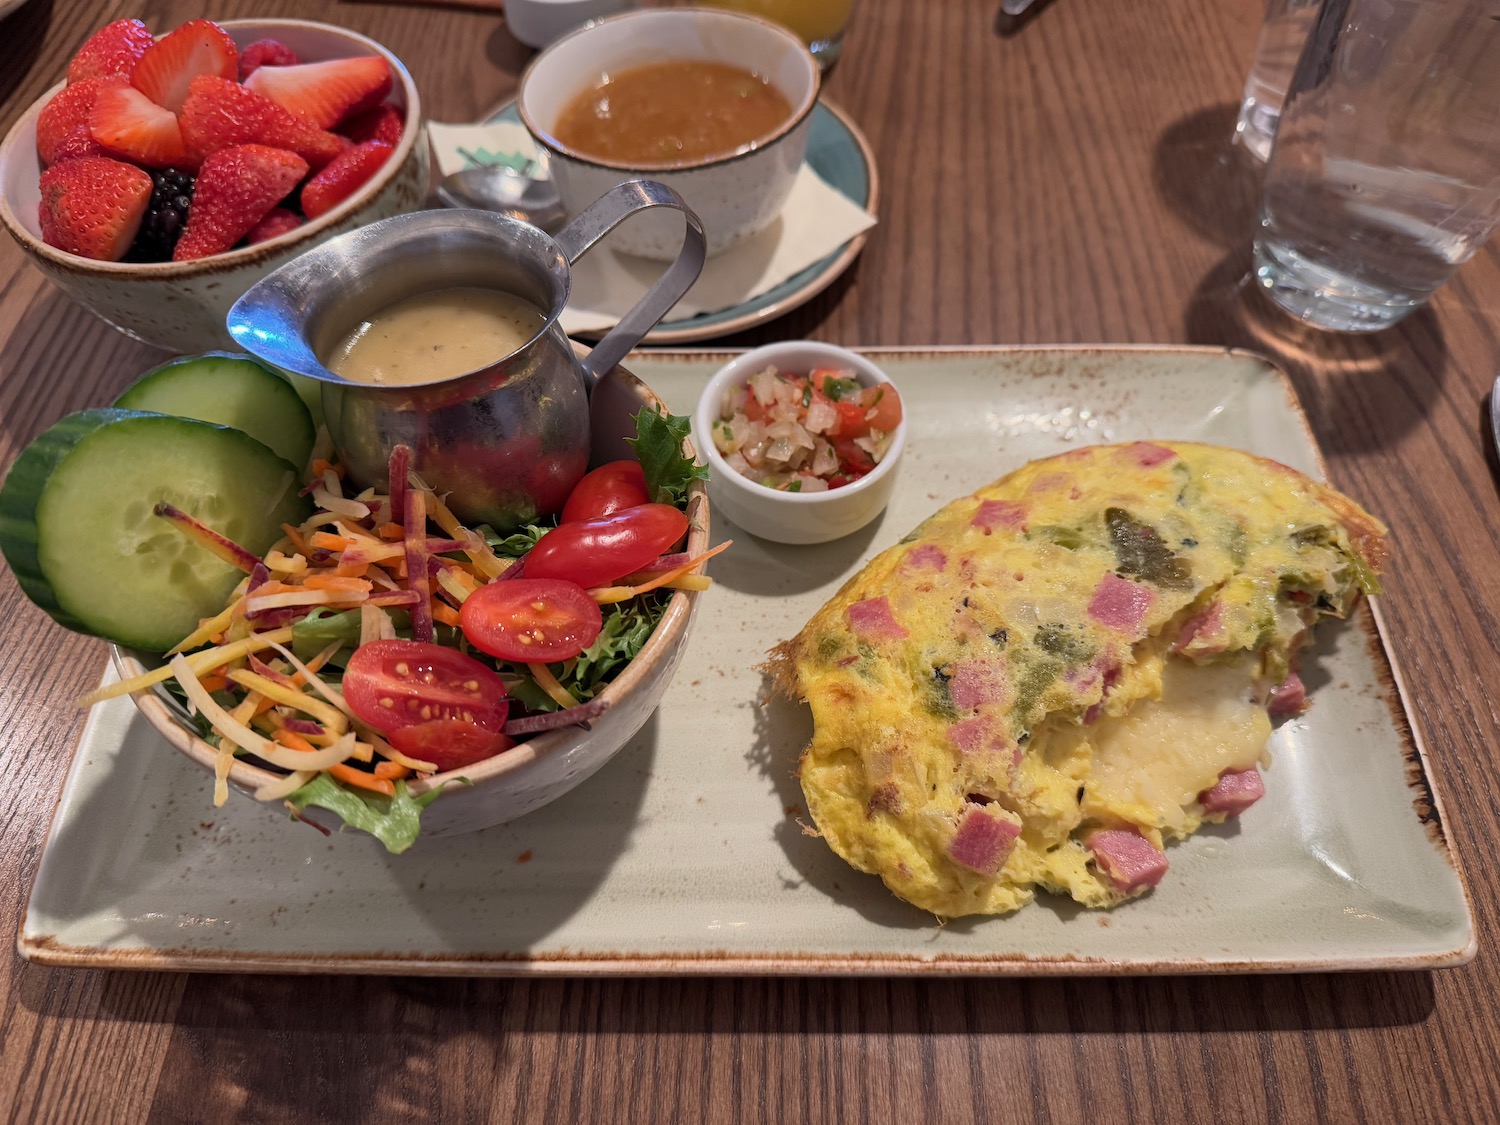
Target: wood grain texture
(1070,181)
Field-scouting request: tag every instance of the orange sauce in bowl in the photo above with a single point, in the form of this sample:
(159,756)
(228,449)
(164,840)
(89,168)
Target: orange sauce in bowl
(669,114)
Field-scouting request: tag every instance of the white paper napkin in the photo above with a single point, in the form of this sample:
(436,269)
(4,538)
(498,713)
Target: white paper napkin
(816,221)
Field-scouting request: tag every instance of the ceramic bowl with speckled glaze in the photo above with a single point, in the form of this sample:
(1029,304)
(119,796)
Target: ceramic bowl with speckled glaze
(735,195)
(545,766)
(181,306)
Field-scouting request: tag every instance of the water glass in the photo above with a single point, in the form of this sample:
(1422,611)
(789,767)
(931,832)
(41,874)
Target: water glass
(821,24)
(1384,176)
(1282,38)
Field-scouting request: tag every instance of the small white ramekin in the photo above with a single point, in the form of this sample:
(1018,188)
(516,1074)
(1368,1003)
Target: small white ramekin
(793,517)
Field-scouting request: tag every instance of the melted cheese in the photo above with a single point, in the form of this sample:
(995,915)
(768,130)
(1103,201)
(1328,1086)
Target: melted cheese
(1150,765)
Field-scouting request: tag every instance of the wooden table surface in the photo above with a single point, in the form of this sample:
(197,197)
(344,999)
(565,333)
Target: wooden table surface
(1069,182)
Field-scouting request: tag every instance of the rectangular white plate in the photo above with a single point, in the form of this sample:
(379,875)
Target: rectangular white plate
(685,853)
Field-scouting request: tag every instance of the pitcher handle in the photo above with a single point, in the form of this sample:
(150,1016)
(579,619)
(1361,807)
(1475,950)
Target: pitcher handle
(598,219)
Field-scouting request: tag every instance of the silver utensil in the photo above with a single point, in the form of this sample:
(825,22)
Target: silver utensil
(506,192)
(1495,414)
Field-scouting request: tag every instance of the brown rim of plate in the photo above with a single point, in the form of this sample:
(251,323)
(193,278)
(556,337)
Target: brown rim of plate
(760,144)
(172,271)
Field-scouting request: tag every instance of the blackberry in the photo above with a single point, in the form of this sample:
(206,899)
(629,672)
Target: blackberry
(166,216)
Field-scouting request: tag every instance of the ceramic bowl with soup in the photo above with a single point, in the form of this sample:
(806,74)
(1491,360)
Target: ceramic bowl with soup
(714,104)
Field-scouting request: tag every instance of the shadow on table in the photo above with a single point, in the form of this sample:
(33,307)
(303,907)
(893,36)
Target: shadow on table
(1384,381)
(1205,179)
(1361,391)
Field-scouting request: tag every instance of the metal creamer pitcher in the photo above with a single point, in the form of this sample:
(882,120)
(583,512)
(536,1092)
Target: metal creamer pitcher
(509,441)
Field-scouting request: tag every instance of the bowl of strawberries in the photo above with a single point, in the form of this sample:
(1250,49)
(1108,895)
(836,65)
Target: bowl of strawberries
(171,172)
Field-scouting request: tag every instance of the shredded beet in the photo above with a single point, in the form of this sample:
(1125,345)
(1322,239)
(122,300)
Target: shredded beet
(416,564)
(400,467)
(302,726)
(551,720)
(260,667)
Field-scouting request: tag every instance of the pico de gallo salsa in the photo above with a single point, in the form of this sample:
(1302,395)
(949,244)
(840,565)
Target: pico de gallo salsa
(806,433)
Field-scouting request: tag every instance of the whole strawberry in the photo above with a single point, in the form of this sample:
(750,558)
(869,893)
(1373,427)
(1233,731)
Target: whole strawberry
(92,206)
(62,128)
(111,52)
(237,187)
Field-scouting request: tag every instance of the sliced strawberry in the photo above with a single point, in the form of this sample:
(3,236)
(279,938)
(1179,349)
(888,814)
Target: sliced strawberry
(130,125)
(111,52)
(169,67)
(278,221)
(219,113)
(266,52)
(63,125)
(342,178)
(237,187)
(93,206)
(325,93)
(383,123)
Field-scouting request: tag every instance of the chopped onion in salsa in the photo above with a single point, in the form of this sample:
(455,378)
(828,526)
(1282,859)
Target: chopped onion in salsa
(806,433)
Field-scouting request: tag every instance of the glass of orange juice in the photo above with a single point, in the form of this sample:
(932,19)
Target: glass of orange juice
(820,23)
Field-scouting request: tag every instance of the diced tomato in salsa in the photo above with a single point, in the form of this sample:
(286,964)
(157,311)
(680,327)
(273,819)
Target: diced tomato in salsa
(807,433)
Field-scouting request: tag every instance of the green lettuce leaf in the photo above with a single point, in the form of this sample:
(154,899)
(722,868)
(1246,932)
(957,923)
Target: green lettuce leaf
(658,447)
(394,821)
(516,544)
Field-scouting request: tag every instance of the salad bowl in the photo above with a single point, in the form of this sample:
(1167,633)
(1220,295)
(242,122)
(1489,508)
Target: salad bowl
(547,765)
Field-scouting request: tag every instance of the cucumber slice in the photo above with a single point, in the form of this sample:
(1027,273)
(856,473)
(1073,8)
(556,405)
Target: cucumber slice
(77,526)
(230,390)
(311,391)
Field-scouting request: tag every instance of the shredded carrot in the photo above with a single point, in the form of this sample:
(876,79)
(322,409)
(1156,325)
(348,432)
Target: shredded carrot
(351,776)
(391,770)
(351,570)
(391,531)
(549,683)
(321,466)
(331,542)
(335,582)
(608,595)
(294,740)
(214,682)
(296,537)
(444,613)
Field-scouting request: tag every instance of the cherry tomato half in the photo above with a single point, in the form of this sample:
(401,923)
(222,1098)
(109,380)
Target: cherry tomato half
(449,744)
(596,552)
(531,620)
(605,491)
(394,684)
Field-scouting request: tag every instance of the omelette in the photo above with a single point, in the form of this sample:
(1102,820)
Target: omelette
(1050,679)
